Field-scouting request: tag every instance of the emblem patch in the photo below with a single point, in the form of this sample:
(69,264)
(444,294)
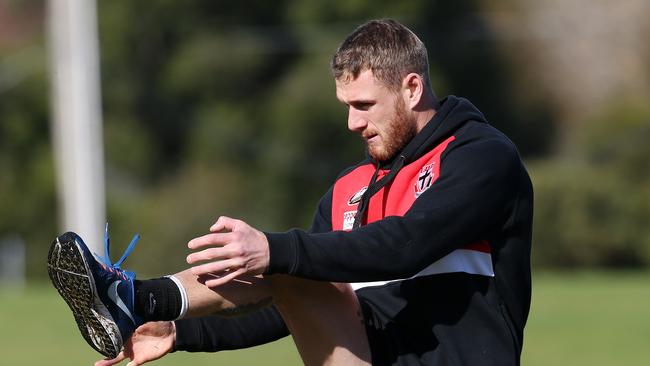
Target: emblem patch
(348,219)
(356,198)
(425,178)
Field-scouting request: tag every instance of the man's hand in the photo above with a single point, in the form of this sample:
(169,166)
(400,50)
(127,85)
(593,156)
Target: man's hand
(149,342)
(233,247)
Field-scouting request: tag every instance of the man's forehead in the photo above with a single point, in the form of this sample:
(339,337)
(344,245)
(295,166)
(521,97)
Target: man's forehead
(348,77)
(364,86)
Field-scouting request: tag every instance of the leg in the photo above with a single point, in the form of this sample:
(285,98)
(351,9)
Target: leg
(235,298)
(324,318)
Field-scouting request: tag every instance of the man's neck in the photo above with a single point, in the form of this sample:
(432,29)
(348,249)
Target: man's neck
(424,118)
(429,108)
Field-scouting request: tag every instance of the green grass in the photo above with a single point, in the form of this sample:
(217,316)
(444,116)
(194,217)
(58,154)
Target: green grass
(37,326)
(589,319)
(584,318)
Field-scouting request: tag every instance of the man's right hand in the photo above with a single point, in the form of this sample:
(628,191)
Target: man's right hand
(232,249)
(149,342)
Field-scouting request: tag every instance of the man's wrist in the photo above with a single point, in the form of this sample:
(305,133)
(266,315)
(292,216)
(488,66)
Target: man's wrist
(283,249)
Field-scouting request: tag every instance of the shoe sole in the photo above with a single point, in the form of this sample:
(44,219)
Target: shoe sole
(71,276)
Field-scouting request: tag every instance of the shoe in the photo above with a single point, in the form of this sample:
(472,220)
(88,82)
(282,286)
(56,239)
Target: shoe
(99,293)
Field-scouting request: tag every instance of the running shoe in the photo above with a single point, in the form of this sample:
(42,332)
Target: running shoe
(99,293)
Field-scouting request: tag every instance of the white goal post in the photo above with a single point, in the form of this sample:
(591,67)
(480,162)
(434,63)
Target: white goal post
(76,117)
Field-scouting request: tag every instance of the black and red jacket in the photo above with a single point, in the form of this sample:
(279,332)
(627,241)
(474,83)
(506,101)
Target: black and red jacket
(436,243)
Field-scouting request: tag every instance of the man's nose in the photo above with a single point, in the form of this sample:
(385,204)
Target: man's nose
(356,122)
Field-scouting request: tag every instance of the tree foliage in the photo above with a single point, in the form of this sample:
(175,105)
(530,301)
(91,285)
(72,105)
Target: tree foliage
(228,108)
(593,207)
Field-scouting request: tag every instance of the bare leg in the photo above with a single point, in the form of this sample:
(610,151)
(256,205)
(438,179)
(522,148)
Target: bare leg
(234,298)
(324,318)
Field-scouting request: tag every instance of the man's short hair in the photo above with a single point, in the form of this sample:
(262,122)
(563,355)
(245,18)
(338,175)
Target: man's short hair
(387,48)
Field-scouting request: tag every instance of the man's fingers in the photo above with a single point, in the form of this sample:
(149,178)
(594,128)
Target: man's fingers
(224,223)
(214,267)
(232,247)
(137,361)
(215,282)
(212,239)
(210,254)
(214,254)
(106,362)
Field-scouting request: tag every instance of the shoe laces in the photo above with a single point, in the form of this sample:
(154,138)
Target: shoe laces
(106,259)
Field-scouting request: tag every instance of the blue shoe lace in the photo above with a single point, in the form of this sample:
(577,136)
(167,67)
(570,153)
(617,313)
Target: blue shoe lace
(106,259)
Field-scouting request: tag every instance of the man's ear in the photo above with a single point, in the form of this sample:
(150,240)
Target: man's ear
(413,88)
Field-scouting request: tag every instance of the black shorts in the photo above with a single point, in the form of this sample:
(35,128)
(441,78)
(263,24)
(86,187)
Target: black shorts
(437,320)
(392,342)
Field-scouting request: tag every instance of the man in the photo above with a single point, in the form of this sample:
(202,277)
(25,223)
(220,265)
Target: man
(432,230)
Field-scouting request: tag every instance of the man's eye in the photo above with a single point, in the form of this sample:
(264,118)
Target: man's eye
(362,106)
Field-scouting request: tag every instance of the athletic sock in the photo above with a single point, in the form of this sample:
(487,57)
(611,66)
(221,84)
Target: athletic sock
(185,303)
(160,299)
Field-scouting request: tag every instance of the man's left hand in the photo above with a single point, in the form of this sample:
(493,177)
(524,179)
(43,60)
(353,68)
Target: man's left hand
(233,248)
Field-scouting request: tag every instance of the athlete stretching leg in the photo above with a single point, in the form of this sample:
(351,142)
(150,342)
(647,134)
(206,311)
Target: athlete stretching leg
(323,318)
(433,227)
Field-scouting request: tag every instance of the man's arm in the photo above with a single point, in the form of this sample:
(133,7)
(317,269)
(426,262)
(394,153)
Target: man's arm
(154,340)
(477,188)
(479,184)
(214,333)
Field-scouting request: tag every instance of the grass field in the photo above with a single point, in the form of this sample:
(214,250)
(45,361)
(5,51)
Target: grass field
(589,319)
(583,318)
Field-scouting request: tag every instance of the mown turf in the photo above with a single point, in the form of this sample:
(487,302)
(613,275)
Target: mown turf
(38,329)
(589,319)
(584,318)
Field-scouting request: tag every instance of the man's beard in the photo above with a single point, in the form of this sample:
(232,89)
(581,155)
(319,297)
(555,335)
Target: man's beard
(400,131)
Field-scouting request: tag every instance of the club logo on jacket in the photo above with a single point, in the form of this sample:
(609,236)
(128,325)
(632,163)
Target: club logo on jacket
(356,198)
(425,178)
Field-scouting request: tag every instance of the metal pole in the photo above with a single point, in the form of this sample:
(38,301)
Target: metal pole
(77,124)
